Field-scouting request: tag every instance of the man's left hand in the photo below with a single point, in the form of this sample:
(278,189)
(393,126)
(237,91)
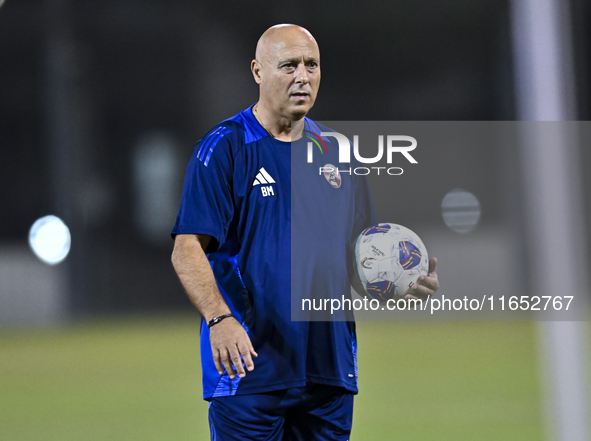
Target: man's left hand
(425,286)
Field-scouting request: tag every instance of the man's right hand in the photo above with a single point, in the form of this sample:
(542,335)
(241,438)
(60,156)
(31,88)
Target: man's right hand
(228,338)
(229,341)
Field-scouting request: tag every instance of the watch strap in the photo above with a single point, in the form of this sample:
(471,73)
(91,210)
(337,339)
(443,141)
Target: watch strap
(219,318)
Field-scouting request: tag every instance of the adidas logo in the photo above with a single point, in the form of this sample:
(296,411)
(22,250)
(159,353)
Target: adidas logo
(264,178)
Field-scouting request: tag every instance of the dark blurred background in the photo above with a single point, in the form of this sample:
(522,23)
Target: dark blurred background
(101,103)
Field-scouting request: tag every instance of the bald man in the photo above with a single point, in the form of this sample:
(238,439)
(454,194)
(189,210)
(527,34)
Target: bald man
(268,377)
(287,68)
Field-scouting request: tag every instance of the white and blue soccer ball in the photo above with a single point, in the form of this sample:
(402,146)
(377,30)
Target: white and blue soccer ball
(390,258)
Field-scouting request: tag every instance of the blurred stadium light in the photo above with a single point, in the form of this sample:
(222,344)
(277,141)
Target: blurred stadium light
(49,239)
(545,84)
(460,210)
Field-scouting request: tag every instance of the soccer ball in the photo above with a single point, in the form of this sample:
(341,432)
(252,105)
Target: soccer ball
(389,259)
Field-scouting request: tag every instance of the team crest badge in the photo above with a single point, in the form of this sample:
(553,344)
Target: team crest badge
(333,177)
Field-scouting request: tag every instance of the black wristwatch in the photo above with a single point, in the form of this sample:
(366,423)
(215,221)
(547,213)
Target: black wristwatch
(219,318)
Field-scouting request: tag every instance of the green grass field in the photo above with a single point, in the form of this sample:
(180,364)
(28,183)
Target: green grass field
(139,379)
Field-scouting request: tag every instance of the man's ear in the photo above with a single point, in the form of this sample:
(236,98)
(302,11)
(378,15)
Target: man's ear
(255,68)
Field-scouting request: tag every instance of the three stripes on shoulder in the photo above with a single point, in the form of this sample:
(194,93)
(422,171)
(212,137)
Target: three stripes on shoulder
(209,144)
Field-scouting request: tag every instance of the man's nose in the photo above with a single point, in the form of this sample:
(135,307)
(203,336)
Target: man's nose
(301,74)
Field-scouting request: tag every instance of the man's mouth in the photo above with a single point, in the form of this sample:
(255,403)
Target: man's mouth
(301,95)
